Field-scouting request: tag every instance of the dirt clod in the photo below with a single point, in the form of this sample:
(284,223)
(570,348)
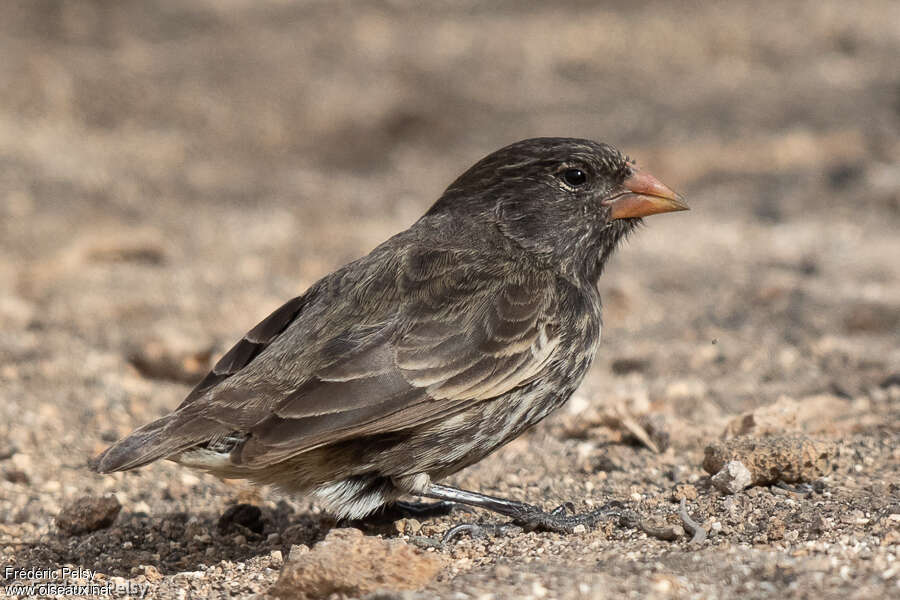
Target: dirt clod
(891,380)
(16,476)
(790,459)
(87,514)
(349,563)
(157,359)
(624,366)
(773,419)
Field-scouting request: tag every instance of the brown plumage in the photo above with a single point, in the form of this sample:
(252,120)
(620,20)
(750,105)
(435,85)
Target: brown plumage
(445,342)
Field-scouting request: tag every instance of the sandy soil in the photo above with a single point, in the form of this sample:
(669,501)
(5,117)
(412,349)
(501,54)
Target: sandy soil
(171,172)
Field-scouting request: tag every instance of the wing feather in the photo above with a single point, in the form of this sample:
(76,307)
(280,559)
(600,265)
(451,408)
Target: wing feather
(422,372)
(338,363)
(249,347)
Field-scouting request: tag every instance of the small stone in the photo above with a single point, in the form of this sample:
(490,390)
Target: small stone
(684,491)
(413,526)
(16,476)
(296,551)
(818,525)
(776,528)
(891,380)
(624,366)
(733,478)
(347,563)
(579,529)
(87,514)
(151,573)
(502,572)
(662,585)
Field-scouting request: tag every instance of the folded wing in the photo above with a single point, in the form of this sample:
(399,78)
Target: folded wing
(447,336)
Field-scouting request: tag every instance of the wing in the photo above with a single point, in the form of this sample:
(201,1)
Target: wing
(461,336)
(314,373)
(438,364)
(153,440)
(242,353)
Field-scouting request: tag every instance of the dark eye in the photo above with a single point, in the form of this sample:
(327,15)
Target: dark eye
(574,177)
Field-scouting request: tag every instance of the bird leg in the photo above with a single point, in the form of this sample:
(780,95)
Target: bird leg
(419,510)
(526,516)
(409,510)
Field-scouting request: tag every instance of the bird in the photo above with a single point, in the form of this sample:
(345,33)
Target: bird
(444,343)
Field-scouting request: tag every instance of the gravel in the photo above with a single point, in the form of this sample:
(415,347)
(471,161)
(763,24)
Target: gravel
(172,172)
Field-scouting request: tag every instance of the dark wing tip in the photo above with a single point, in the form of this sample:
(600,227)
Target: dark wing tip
(139,448)
(125,454)
(248,348)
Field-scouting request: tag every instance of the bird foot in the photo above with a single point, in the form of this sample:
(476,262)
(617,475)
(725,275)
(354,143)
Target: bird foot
(558,520)
(480,530)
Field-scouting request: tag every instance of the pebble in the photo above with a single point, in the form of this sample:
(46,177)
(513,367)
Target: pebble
(684,490)
(348,563)
(296,551)
(733,478)
(87,514)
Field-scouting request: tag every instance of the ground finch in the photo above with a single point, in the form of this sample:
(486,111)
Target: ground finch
(445,342)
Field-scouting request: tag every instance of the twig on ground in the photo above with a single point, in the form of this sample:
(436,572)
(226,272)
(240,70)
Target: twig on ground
(693,527)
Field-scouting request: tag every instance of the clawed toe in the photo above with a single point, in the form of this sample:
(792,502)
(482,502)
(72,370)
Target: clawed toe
(565,507)
(560,521)
(528,516)
(477,531)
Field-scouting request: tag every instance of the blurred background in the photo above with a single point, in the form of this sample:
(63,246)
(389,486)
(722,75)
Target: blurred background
(170,172)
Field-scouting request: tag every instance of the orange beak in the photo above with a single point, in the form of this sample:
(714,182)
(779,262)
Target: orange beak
(645,196)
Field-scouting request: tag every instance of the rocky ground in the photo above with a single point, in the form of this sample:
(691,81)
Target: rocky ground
(171,172)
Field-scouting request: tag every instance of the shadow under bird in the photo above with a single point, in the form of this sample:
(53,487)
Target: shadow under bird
(444,343)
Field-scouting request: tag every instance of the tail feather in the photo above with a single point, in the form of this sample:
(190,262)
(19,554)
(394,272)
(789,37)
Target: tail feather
(142,446)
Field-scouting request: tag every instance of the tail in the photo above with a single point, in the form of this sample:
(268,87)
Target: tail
(142,446)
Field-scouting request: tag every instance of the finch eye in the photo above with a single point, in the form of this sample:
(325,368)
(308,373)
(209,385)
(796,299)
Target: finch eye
(574,177)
